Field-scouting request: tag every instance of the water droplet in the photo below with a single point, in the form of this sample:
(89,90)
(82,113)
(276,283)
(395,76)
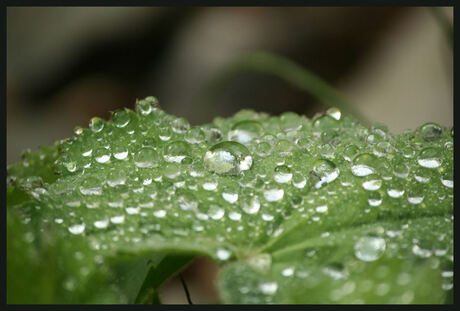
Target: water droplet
(91,185)
(334,112)
(282,174)
(119,151)
(96,124)
(447,179)
(263,149)
(180,125)
(146,157)
(396,190)
(371,183)
(216,212)
(400,170)
(325,122)
(121,118)
(251,205)
(273,193)
(176,151)
(418,251)
(245,131)
(210,184)
(374,199)
(369,248)
(364,164)
(234,215)
(298,180)
(77,229)
(422,174)
(101,224)
(415,194)
(144,106)
(195,136)
(102,155)
(287,272)
(323,172)
(429,157)
(350,152)
(321,209)
(161,213)
(223,254)
(430,131)
(186,200)
(116,177)
(228,158)
(117,219)
(230,194)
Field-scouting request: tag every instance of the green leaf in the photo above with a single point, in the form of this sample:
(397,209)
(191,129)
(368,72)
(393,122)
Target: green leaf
(296,210)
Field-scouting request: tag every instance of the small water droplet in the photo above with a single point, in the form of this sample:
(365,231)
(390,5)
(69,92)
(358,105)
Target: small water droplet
(374,199)
(101,224)
(334,112)
(195,135)
(371,183)
(282,174)
(77,229)
(121,118)
(447,179)
(96,124)
(176,151)
(180,125)
(223,254)
(146,157)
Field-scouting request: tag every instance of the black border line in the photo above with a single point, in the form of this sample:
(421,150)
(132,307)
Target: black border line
(89,3)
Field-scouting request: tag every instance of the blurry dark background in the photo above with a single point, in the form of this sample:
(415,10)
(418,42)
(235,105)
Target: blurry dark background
(66,65)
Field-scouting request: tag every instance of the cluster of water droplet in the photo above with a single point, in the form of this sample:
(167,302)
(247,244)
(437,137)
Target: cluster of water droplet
(149,178)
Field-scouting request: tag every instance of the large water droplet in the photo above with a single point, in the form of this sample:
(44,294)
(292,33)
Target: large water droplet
(228,158)
(369,248)
(245,131)
(334,112)
(323,172)
(180,125)
(372,183)
(430,131)
(430,157)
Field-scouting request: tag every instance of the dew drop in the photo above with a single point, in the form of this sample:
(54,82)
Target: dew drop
(102,155)
(251,205)
(334,112)
(323,172)
(429,158)
(180,125)
(101,224)
(121,118)
(228,158)
(146,157)
(195,135)
(223,254)
(371,183)
(96,124)
(364,164)
(273,193)
(447,179)
(282,174)
(77,229)
(245,131)
(374,199)
(369,248)
(176,151)
(430,131)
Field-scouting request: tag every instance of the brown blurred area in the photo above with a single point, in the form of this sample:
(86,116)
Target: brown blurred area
(68,64)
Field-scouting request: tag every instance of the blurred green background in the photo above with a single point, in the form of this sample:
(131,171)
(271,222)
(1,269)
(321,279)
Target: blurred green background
(68,64)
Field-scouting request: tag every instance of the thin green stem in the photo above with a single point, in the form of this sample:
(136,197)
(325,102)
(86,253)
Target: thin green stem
(444,23)
(286,70)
